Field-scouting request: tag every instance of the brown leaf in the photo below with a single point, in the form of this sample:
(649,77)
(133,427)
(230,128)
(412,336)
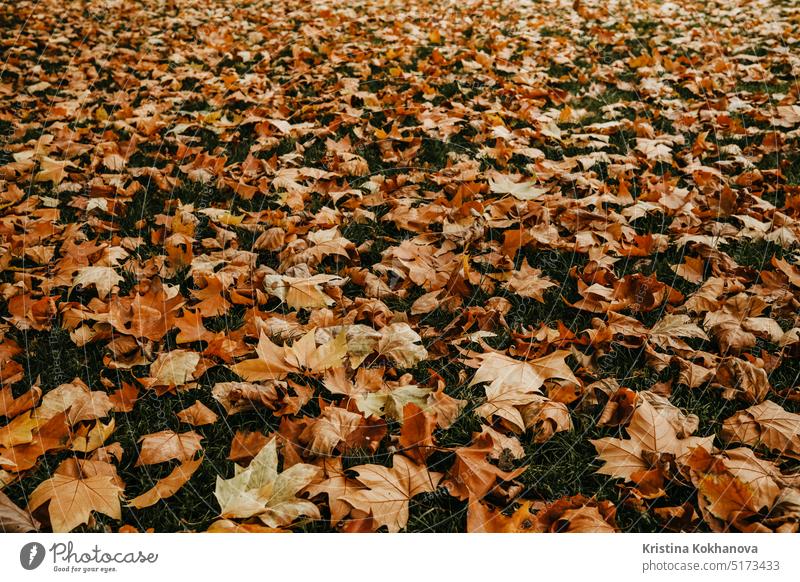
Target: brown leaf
(212,302)
(481,518)
(577,514)
(11,407)
(198,414)
(149,313)
(653,432)
(416,435)
(333,426)
(124,399)
(725,501)
(245,446)
(741,379)
(229,526)
(172,369)
(529,282)
(336,485)
(73,499)
(275,362)
(237,397)
(168,486)
(387,491)
(13,519)
(500,370)
(765,424)
(472,476)
(167,445)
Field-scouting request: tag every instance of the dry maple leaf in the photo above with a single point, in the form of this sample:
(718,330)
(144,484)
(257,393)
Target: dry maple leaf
(765,424)
(416,435)
(446,408)
(166,445)
(77,400)
(191,328)
(145,315)
(50,426)
(514,384)
(503,184)
(680,518)
(390,400)
(333,426)
(13,519)
(362,340)
(228,526)
(500,370)
(72,499)
(529,282)
(763,477)
(505,447)
(375,397)
(11,407)
(725,500)
(388,490)
(654,150)
(124,399)
(198,414)
(275,362)
(505,401)
(168,486)
(104,279)
(683,423)
(302,293)
(545,417)
(26,443)
(245,446)
(692,375)
(172,369)
(400,343)
(51,170)
(89,438)
(336,485)
(652,433)
(212,302)
(482,518)
(741,379)
(261,491)
(236,397)
(576,514)
(668,331)
(472,475)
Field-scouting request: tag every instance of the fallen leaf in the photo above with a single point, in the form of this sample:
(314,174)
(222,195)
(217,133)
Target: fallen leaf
(167,445)
(73,499)
(261,491)
(104,279)
(13,519)
(198,414)
(168,486)
(387,491)
(765,424)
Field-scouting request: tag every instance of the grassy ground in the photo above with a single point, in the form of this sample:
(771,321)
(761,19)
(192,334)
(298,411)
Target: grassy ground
(564,465)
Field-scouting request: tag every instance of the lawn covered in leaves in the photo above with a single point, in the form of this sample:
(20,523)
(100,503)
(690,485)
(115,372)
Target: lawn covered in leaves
(408,265)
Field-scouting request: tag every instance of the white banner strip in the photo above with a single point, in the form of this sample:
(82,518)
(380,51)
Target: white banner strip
(401,557)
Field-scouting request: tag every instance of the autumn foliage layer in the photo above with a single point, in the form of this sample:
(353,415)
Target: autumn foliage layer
(386,265)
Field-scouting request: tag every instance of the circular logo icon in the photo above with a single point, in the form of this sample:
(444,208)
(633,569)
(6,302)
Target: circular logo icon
(31,555)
